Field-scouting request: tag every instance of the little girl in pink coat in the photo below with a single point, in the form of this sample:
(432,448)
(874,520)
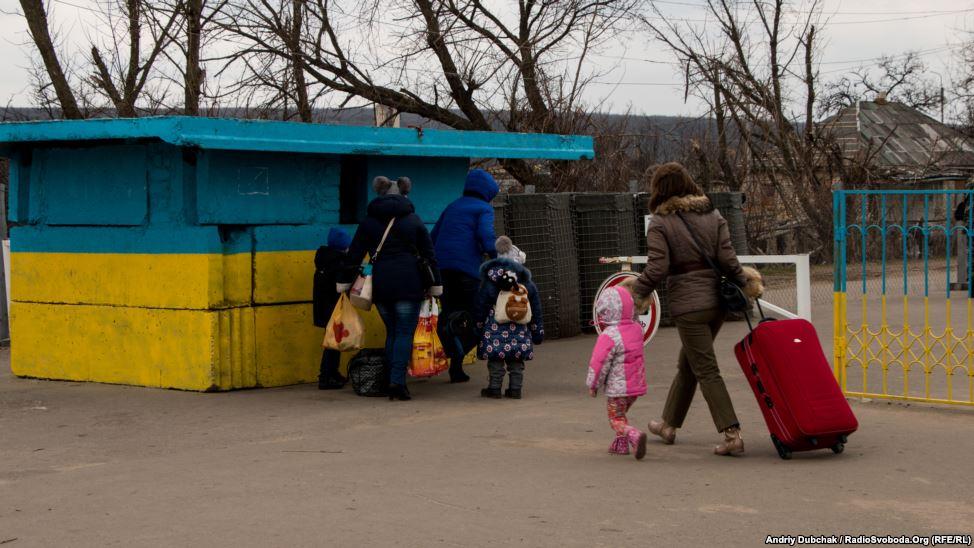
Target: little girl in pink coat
(617,364)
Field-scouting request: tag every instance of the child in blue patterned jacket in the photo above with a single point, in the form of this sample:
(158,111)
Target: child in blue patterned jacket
(508,312)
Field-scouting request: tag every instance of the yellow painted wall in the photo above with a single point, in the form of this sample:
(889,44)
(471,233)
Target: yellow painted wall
(190,281)
(145,347)
(283,276)
(167,321)
(241,347)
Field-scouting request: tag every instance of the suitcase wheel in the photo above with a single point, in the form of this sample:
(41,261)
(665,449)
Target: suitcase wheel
(843,439)
(783,451)
(838,448)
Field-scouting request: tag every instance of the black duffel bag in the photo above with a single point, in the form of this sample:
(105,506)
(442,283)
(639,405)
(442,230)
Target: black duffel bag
(368,372)
(458,333)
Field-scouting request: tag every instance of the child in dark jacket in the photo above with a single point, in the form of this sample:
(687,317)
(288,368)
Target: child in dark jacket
(512,328)
(329,261)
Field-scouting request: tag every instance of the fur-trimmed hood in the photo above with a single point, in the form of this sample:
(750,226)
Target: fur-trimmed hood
(685,204)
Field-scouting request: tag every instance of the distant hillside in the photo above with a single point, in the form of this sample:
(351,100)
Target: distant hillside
(658,137)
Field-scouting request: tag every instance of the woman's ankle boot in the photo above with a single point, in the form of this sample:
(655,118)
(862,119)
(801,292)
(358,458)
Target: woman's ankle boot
(733,442)
(399,392)
(666,432)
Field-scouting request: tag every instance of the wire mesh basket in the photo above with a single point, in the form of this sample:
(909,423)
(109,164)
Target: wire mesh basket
(541,225)
(604,227)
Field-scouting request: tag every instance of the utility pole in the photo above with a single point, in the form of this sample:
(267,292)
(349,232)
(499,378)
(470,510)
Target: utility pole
(942,101)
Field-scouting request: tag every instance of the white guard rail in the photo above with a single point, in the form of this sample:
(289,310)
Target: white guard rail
(803,278)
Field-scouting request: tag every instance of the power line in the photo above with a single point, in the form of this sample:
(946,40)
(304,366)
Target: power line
(836,12)
(640,84)
(85,8)
(927,16)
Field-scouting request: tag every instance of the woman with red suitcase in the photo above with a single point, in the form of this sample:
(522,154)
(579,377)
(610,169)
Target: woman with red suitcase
(680,206)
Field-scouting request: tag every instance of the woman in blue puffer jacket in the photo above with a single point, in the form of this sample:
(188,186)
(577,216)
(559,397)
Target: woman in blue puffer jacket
(463,235)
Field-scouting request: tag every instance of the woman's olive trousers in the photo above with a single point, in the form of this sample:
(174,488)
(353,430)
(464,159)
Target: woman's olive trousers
(698,365)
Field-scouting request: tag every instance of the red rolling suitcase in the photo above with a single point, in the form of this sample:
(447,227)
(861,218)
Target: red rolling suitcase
(791,378)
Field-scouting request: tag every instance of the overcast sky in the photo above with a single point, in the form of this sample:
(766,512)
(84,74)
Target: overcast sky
(642,76)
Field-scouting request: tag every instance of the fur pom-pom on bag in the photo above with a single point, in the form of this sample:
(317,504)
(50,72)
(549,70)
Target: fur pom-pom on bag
(753,283)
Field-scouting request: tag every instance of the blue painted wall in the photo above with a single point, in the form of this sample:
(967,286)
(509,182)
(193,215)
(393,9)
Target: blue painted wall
(200,185)
(262,188)
(436,181)
(99,185)
(153,197)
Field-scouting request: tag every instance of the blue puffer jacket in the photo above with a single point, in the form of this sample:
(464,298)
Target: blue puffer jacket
(507,341)
(464,232)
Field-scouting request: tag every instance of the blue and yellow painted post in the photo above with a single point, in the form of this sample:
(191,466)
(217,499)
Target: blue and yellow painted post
(178,252)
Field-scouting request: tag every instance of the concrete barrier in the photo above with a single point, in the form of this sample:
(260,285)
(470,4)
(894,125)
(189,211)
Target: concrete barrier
(178,252)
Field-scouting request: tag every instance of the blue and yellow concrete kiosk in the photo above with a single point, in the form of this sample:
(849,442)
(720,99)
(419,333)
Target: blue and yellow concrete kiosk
(177,252)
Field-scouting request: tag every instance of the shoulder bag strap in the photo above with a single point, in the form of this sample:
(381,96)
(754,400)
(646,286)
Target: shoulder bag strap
(383,240)
(699,247)
(713,265)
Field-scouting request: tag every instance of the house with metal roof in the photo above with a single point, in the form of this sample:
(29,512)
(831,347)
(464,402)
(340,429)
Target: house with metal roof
(900,143)
(177,252)
(882,144)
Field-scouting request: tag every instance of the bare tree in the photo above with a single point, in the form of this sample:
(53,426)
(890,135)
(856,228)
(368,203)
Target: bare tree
(467,64)
(192,32)
(963,89)
(759,65)
(192,79)
(124,72)
(900,78)
(40,33)
(123,80)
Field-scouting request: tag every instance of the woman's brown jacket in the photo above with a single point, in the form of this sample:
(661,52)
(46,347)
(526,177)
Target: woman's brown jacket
(691,283)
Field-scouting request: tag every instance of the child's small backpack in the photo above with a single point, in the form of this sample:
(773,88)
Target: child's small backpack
(512,301)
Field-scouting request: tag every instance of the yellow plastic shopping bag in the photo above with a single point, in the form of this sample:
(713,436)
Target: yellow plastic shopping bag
(345,330)
(428,358)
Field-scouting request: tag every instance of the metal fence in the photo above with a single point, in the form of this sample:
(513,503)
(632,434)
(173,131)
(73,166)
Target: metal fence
(541,225)
(904,312)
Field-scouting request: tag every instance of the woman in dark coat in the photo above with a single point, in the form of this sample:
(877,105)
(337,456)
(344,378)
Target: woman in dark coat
(679,206)
(398,286)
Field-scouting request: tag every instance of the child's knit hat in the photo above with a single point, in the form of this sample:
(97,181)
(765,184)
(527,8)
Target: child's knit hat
(338,239)
(507,250)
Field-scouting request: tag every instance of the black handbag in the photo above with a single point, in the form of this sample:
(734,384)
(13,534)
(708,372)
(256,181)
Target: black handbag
(368,372)
(426,272)
(730,295)
(425,267)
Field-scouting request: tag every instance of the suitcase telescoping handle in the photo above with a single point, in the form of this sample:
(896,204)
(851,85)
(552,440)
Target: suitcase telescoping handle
(747,316)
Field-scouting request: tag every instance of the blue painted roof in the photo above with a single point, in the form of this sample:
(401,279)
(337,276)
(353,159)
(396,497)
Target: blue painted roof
(261,135)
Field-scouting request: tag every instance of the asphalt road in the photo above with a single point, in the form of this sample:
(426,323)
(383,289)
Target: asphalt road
(98,465)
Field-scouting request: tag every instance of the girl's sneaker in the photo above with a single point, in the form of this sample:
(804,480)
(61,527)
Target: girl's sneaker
(638,441)
(620,446)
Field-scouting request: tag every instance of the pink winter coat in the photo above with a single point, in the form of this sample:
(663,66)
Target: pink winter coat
(617,360)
